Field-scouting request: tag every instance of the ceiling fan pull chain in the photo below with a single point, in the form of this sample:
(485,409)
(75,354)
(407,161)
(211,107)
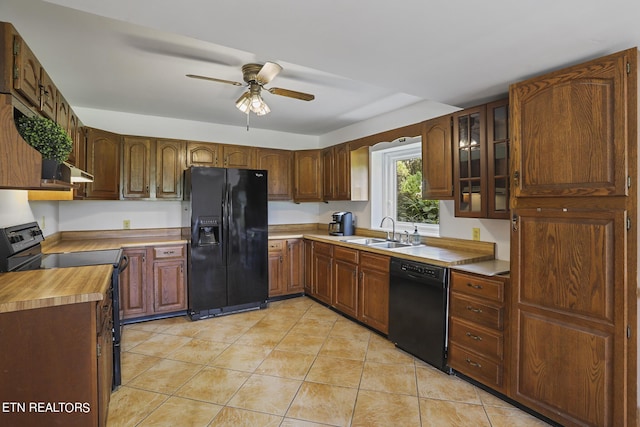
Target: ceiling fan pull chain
(248,121)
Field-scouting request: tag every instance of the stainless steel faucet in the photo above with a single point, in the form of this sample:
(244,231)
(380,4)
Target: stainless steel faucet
(393,225)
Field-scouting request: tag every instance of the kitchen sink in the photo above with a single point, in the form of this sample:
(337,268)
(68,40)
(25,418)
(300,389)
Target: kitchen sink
(365,241)
(377,243)
(389,245)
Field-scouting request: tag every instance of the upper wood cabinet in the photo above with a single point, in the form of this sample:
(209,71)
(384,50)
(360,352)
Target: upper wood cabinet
(203,154)
(169,169)
(469,162)
(437,173)
(238,156)
(103,162)
(279,167)
(498,159)
(152,168)
(328,174)
(27,71)
(307,183)
(569,131)
(136,168)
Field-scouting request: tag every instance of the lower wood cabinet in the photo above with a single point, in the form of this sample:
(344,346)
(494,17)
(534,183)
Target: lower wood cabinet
(477,328)
(155,281)
(354,282)
(373,291)
(285,267)
(59,359)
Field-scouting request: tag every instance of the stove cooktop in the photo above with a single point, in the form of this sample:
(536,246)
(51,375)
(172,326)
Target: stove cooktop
(80,259)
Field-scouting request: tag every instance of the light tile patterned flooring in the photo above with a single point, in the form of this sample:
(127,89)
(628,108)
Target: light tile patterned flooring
(295,363)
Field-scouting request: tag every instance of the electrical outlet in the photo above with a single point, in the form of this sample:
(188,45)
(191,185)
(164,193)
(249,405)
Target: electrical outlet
(475,233)
(44,224)
(126,224)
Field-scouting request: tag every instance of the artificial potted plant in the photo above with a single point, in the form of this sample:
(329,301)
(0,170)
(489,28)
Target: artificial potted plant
(49,138)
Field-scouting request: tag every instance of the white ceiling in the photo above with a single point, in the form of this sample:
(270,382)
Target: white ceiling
(360,59)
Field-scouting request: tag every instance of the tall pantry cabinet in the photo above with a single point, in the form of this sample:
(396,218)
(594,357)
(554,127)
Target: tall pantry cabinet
(574,242)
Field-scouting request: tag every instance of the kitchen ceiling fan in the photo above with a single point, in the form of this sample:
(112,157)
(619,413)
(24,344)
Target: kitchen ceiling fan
(256,76)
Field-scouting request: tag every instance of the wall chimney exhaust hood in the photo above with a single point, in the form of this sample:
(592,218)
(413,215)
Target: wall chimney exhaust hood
(74,174)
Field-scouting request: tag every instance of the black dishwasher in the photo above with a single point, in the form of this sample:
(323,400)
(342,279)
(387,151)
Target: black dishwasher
(418,308)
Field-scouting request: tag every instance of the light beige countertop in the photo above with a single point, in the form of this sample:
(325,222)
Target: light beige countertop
(436,255)
(27,290)
(487,268)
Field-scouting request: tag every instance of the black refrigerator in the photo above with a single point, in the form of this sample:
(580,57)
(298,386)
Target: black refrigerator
(226,213)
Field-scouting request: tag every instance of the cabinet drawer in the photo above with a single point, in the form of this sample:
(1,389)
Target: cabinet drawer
(168,252)
(477,367)
(323,248)
(276,245)
(481,340)
(345,254)
(476,311)
(374,262)
(482,287)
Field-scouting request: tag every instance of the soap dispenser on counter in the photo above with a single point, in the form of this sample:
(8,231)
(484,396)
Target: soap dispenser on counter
(415,237)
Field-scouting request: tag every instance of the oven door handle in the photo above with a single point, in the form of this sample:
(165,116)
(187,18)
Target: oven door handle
(122,267)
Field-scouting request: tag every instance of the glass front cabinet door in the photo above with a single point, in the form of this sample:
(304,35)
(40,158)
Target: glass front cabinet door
(470,171)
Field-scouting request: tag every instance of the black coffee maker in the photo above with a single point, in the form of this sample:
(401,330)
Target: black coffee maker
(342,224)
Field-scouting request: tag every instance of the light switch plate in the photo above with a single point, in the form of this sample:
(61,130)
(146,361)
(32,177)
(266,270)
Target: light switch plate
(475,233)
(126,224)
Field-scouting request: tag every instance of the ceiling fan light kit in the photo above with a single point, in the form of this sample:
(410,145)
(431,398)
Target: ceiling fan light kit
(255,77)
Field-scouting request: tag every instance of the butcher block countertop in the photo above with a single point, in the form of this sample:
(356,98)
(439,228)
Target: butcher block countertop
(79,241)
(26,290)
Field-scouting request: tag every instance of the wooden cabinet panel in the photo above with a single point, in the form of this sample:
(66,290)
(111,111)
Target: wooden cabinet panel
(328,174)
(373,291)
(103,162)
(307,176)
(238,156)
(48,93)
(133,284)
(136,168)
(27,68)
(342,172)
(569,131)
(568,302)
(279,167)
(202,154)
(169,169)
(169,251)
(345,286)
(169,287)
(308,266)
(276,273)
(476,311)
(322,284)
(437,163)
(474,337)
(295,255)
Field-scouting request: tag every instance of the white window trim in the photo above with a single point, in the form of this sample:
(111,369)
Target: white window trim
(383,158)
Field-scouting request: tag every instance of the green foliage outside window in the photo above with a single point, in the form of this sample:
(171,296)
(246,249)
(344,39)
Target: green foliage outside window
(410,205)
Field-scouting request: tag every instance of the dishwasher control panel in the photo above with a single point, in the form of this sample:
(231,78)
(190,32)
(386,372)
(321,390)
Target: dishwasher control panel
(425,270)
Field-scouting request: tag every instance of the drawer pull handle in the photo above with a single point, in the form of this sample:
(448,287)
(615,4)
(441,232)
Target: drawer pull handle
(471,285)
(474,337)
(472,363)
(475,310)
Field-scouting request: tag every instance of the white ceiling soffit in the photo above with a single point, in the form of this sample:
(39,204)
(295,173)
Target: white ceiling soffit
(359,61)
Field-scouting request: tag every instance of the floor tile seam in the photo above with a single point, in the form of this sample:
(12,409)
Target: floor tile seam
(153,410)
(457,402)
(283,416)
(146,369)
(178,388)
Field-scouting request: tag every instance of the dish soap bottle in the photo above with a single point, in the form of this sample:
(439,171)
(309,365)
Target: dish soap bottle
(415,237)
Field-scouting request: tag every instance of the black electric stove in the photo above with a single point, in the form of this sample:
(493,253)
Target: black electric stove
(20,250)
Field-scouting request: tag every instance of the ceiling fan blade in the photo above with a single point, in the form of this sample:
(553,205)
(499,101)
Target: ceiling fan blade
(268,71)
(213,79)
(291,94)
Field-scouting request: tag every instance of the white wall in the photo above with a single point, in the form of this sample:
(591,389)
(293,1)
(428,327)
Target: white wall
(14,208)
(163,127)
